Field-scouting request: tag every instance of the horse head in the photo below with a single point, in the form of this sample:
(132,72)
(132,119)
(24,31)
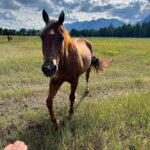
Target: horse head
(52,37)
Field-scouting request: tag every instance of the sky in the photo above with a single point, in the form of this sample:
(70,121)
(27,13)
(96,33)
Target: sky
(16,14)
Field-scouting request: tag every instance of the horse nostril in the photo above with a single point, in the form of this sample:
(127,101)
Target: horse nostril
(49,71)
(45,69)
(55,68)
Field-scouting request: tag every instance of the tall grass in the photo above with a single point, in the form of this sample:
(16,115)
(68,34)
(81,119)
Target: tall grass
(117,123)
(114,115)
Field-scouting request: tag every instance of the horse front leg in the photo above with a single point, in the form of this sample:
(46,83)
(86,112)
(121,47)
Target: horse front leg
(53,88)
(72,97)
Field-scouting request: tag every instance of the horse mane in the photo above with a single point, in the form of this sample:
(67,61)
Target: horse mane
(69,46)
(67,39)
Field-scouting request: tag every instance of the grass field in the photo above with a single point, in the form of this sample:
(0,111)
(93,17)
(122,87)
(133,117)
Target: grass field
(115,115)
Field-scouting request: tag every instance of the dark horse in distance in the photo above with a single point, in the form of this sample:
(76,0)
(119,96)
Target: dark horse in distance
(9,37)
(65,59)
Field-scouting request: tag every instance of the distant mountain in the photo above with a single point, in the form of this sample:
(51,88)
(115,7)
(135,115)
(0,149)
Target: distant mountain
(94,24)
(147,20)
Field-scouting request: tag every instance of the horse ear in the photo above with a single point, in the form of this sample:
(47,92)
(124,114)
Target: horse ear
(45,16)
(61,18)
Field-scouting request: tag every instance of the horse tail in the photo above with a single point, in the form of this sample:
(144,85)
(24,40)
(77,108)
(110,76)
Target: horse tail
(99,64)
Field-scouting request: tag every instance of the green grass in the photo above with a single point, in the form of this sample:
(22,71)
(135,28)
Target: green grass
(111,52)
(113,116)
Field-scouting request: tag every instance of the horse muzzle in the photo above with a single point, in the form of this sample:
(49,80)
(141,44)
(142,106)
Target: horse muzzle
(49,71)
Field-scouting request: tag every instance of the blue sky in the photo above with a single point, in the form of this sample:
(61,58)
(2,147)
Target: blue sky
(27,13)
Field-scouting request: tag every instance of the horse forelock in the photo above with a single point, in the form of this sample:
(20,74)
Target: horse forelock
(67,38)
(46,27)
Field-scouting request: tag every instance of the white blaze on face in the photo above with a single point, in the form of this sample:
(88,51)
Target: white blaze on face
(51,32)
(55,61)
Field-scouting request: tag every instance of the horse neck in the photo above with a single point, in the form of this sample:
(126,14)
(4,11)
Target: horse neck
(68,45)
(69,50)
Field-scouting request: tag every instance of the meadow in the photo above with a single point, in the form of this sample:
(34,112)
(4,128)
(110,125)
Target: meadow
(114,115)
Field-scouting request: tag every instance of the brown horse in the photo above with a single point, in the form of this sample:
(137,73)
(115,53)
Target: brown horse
(65,59)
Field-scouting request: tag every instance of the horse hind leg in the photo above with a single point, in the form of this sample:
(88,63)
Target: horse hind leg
(87,74)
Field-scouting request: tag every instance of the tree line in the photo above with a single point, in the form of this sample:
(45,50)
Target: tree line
(23,32)
(126,30)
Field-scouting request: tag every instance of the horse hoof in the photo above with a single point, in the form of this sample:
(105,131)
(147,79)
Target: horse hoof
(87,91)
(70,117)
(57,123)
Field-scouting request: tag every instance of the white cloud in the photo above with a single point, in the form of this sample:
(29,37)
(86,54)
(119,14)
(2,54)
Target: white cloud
(27,13)
(69,1)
